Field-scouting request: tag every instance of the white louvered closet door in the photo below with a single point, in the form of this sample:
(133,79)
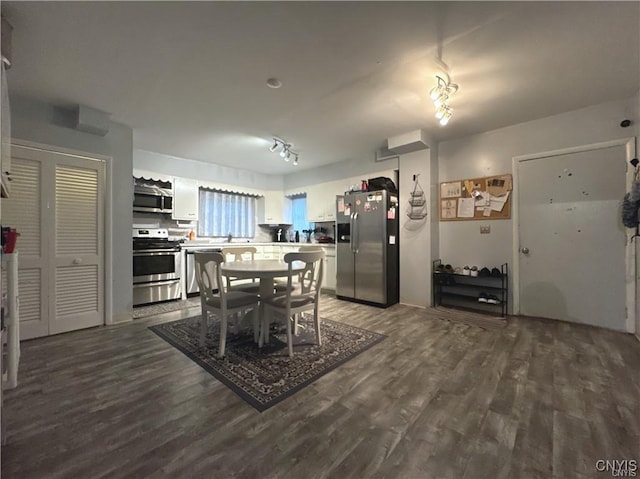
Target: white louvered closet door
(78,246)
(58,209)
(23,211)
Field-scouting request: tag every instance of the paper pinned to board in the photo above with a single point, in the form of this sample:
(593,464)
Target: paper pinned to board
(466,207)
(498,202)
(451,189)
(499,185)
(448,209)
(482,199)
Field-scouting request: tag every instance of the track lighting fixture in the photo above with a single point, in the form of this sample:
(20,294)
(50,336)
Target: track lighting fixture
(440,94)
(286,151)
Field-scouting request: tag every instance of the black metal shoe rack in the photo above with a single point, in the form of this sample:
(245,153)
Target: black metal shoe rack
(460,291)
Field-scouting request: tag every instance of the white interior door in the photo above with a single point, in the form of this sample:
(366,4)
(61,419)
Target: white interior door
(572,242)
(23,211)
(57,206)
(77,270)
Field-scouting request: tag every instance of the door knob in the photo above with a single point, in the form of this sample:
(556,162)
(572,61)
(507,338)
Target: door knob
(525,250)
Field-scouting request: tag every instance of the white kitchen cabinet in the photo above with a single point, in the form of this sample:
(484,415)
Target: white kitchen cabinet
(329,276)
(271,252)
(316,204)
(274,208)
(288,248)
(186,199)
(321,201)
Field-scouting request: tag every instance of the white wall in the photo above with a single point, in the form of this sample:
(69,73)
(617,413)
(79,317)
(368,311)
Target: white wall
(186,168)
(51,125)
(415,235)
(491,153)
(336,171)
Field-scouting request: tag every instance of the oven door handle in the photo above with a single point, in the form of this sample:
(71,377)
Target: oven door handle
(155,283)
(149,252)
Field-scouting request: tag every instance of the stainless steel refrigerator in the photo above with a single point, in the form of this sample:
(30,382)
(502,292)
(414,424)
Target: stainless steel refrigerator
(367,247)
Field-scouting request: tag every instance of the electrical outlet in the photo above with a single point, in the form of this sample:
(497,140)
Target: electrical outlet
(485,230)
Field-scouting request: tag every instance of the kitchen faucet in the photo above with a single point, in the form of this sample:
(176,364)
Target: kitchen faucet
(229,238)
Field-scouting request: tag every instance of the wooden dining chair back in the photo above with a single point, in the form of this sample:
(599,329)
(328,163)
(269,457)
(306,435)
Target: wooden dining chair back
(241,253)
(306,248)
(224,303)
(304,297)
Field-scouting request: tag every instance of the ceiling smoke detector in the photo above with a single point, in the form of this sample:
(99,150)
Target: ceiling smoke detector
(274,83)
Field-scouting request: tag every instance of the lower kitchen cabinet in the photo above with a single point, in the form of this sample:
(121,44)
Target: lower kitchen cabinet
(329,279)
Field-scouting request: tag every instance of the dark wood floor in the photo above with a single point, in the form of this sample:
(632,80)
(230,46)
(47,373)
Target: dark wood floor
(436,399)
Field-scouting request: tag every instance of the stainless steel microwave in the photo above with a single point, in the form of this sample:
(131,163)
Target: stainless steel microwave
(152,199)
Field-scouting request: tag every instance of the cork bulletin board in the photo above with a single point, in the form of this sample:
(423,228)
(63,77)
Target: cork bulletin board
(486,198)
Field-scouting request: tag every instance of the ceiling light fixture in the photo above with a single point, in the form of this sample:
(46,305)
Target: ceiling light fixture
(441,94)
(286,151)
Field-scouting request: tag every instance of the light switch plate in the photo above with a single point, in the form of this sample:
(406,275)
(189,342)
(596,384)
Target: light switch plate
(485,230)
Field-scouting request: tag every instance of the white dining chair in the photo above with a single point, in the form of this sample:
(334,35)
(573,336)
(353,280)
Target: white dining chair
(224,303)
(297,299)
(305,248)
(241,253)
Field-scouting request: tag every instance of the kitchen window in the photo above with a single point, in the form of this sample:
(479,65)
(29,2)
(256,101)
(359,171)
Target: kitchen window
(299,212)
(223,213)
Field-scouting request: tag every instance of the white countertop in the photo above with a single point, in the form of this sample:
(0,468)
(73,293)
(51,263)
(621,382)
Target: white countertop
(195,244)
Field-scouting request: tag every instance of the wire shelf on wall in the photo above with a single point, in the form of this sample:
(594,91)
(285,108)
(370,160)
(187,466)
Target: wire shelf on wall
(417,202)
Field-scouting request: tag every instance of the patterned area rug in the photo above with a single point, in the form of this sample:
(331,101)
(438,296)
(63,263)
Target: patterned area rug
(264,377)
(153,309)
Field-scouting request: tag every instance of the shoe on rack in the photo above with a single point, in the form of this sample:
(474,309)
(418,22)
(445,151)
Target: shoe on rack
(448,269)
(495,273)
(458,270)
(493,300)
(482,298)
(440,268)
(484,272)
(474,271)
(466,271)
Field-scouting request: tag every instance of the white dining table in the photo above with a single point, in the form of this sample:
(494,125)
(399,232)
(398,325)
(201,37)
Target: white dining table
(266,270)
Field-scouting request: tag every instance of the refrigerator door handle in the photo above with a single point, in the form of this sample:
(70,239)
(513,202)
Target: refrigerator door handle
(351,232)
(356,233)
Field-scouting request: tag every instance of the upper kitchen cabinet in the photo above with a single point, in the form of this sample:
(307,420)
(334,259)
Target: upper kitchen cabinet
(186,198)
(274,208)
(321,201)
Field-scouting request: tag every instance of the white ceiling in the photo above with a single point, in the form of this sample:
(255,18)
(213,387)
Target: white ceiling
(190,77)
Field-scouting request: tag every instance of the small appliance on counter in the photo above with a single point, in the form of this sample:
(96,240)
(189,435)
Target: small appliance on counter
(279,235)
(325,239)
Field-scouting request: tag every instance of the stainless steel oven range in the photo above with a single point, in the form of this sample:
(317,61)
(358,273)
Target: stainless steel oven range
(157,266)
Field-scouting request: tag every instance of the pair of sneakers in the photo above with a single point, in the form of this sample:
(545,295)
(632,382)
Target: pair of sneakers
(494,273)
(488,298)
(470,271)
